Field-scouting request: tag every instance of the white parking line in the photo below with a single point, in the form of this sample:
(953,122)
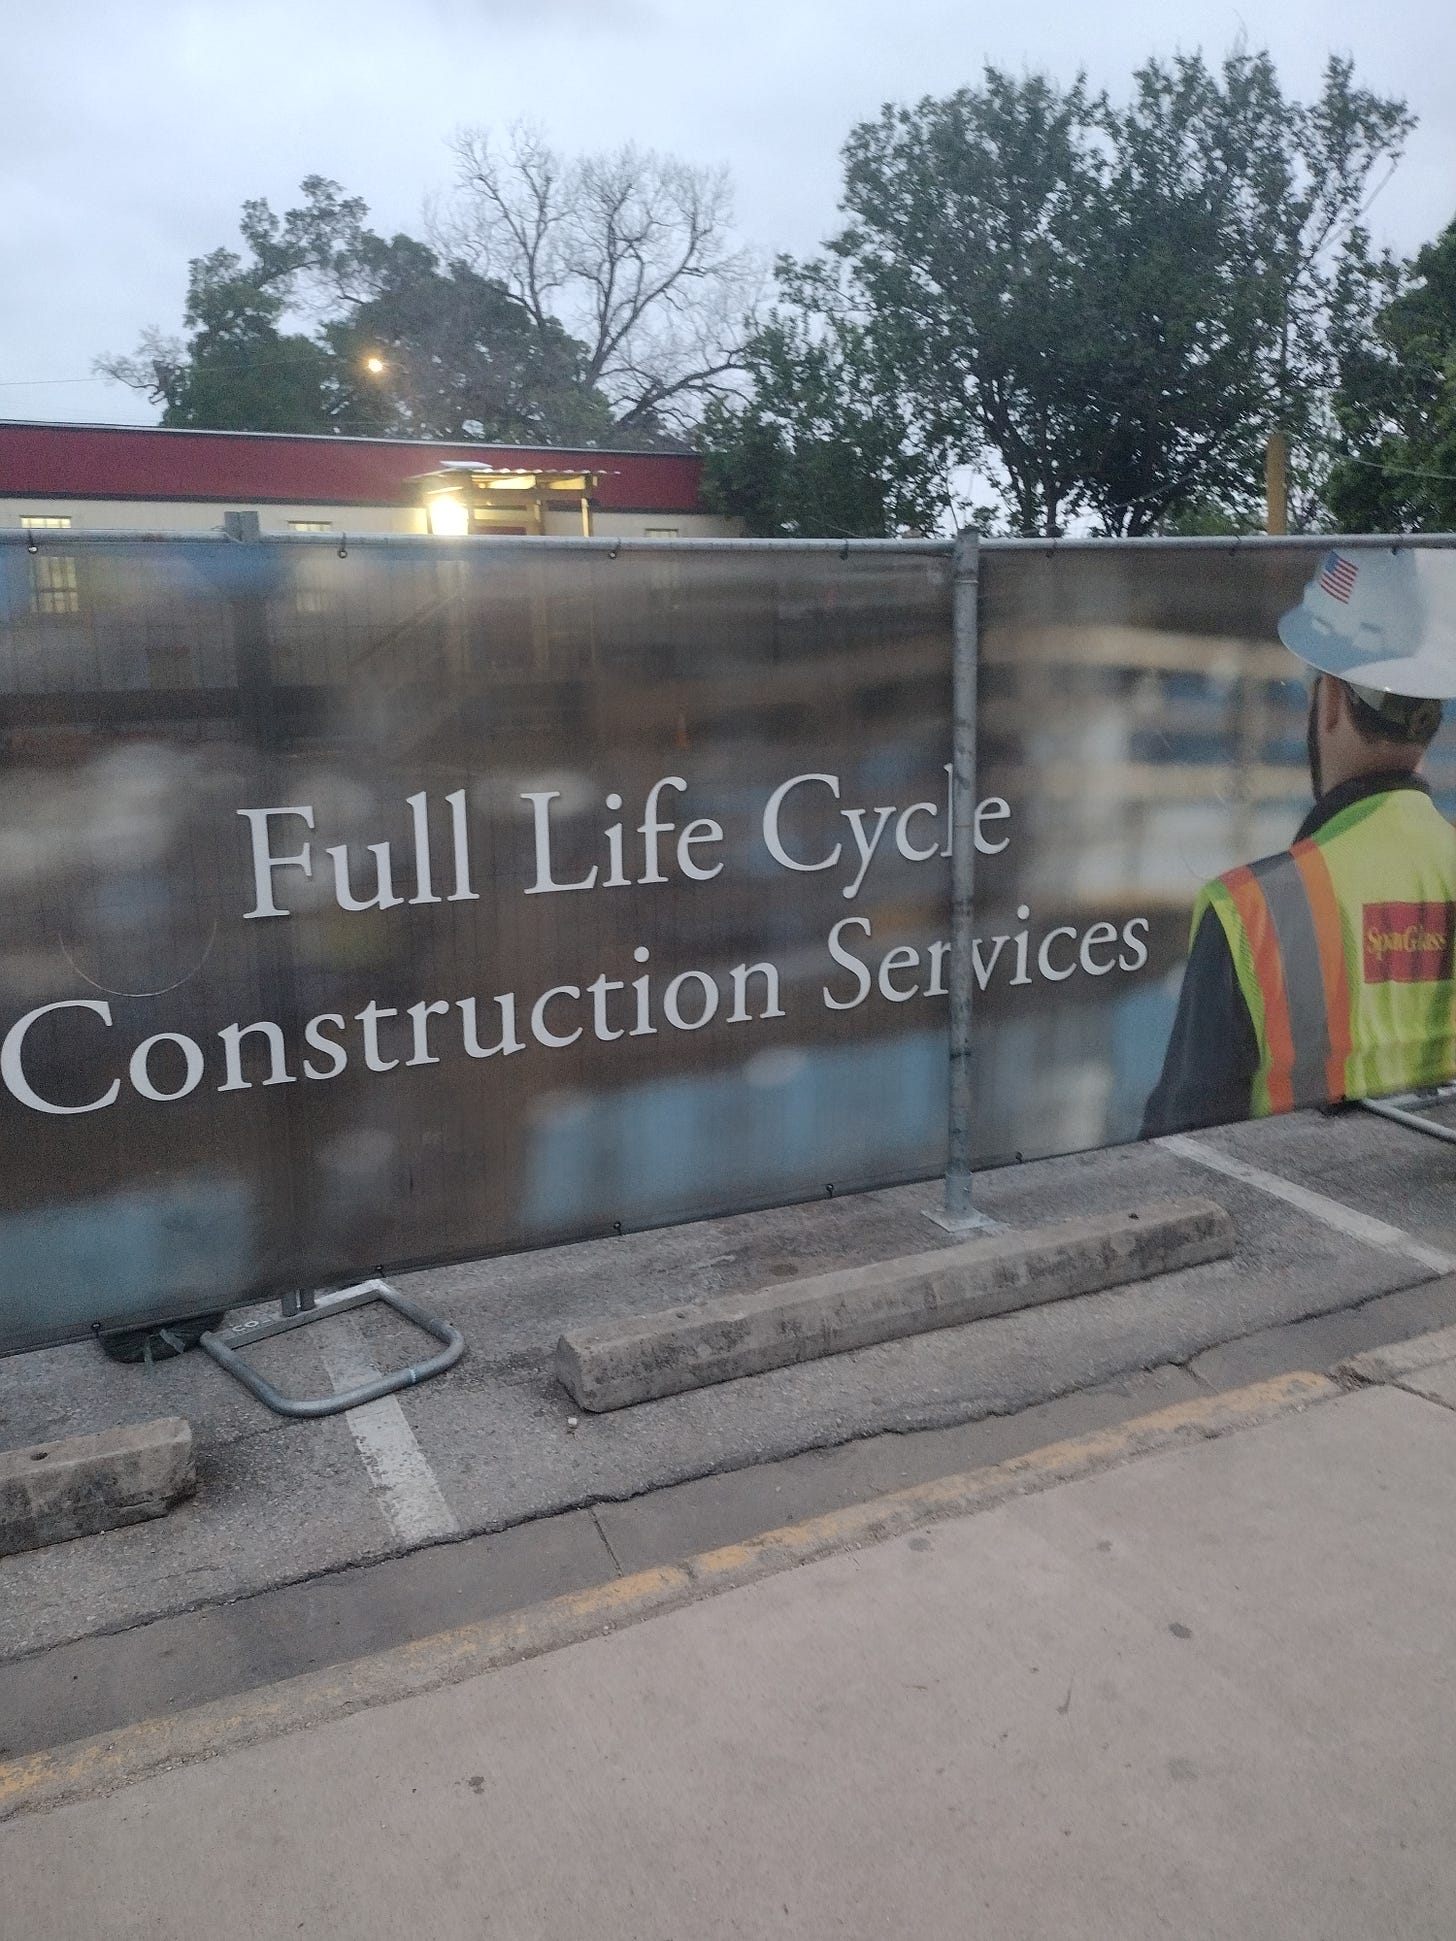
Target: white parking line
(409,1495)
(1363,1227)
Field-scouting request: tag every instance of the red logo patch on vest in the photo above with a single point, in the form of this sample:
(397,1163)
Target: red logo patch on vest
(1408,943)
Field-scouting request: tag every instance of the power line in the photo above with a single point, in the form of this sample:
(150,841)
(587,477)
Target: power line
(31,383)
(1403,471)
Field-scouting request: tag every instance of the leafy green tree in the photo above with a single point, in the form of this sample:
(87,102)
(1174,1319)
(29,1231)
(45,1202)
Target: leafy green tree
(1104,310)
(1395,409)
(238,369)
(458,355)
(1232,262)
(462,358)
(822,445)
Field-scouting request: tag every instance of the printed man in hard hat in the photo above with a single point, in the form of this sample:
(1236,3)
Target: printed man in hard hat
(1328,971)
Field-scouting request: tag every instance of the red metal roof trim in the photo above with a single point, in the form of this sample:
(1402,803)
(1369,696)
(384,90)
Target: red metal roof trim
(242,468)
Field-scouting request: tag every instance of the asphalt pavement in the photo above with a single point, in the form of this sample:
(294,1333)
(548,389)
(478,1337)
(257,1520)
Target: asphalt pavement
(313,1542)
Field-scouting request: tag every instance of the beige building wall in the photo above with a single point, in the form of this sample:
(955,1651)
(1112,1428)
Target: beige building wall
(181,515)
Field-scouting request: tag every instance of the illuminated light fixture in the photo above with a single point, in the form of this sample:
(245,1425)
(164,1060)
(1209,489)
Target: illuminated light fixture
(464,496)
(374,365)
(449,516)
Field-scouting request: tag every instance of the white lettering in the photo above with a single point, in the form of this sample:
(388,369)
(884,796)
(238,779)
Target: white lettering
(982,967)
(597,990)
(553,1040)
(232,1036)
(902,957)
(851,963)
(939,951)
(652,827)
(855,819)
(672,1011)
(192,1064)
(902,840)
(741,974)
(541,800)
(995,808)
(419,808)
(1096,937)
(1023,975)
(383,898)
(13,1071)
(1043,958)
(265,862)
(336,1054)
(460,836)
(703,830)
(772,810)
(419,1016)
(369,1017)
(509,1042)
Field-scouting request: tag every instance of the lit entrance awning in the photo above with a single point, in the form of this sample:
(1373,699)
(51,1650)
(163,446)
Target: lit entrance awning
(461,497)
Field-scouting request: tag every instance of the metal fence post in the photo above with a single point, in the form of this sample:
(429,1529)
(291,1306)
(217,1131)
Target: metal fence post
(959,1214)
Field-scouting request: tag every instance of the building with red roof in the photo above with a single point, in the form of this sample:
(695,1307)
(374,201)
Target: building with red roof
(123,478)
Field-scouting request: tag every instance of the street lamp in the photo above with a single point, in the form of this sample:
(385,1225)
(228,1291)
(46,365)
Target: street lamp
(374,364)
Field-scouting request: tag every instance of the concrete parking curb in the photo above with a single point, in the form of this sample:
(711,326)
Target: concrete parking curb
(643,1357)
(53,1491)
(120,1758)
(1425,1366)
(1400,1358)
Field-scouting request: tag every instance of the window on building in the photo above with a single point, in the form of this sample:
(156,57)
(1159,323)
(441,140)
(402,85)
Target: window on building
(53,587)
(45,521)
(310,525)
(659,532)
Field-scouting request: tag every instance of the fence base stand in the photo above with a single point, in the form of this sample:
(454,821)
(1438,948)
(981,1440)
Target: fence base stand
(299,1310)
(957,1212)
(1399,1109)
(971,1222)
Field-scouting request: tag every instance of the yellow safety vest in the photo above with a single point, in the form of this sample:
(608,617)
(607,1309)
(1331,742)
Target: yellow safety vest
(1345,951)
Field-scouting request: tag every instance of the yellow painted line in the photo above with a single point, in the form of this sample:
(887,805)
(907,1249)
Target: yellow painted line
(119,1758)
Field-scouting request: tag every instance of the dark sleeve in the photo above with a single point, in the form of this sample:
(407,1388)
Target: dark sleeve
(1213,1052)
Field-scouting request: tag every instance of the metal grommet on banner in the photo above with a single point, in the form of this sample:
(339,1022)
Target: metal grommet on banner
(844,549)
(32,545)
(343,545)
(616,551)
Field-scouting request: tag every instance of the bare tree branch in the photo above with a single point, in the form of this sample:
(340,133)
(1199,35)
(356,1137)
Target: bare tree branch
(153,370)
(630,251)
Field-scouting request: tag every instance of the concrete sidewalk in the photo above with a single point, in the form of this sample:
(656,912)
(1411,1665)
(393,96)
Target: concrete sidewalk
(1207,1693)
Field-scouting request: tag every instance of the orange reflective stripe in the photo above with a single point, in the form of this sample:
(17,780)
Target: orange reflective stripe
(1243,887)
(1325,908)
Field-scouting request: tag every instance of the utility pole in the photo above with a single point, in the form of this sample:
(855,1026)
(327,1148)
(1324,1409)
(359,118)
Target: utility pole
(1276,483)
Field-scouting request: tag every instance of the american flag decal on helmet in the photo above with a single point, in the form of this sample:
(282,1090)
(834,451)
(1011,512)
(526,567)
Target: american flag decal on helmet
(1337,577)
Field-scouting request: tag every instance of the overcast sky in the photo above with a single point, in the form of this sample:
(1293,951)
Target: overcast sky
(130,134)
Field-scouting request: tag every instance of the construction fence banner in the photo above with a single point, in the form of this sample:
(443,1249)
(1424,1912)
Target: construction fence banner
(374,905)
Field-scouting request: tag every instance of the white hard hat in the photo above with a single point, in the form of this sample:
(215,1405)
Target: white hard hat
(1382,617)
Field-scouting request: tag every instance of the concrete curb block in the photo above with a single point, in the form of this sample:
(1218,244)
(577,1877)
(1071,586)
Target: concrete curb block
(121,1758)
(1400,1359)
(54,1491)
(647,1356)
